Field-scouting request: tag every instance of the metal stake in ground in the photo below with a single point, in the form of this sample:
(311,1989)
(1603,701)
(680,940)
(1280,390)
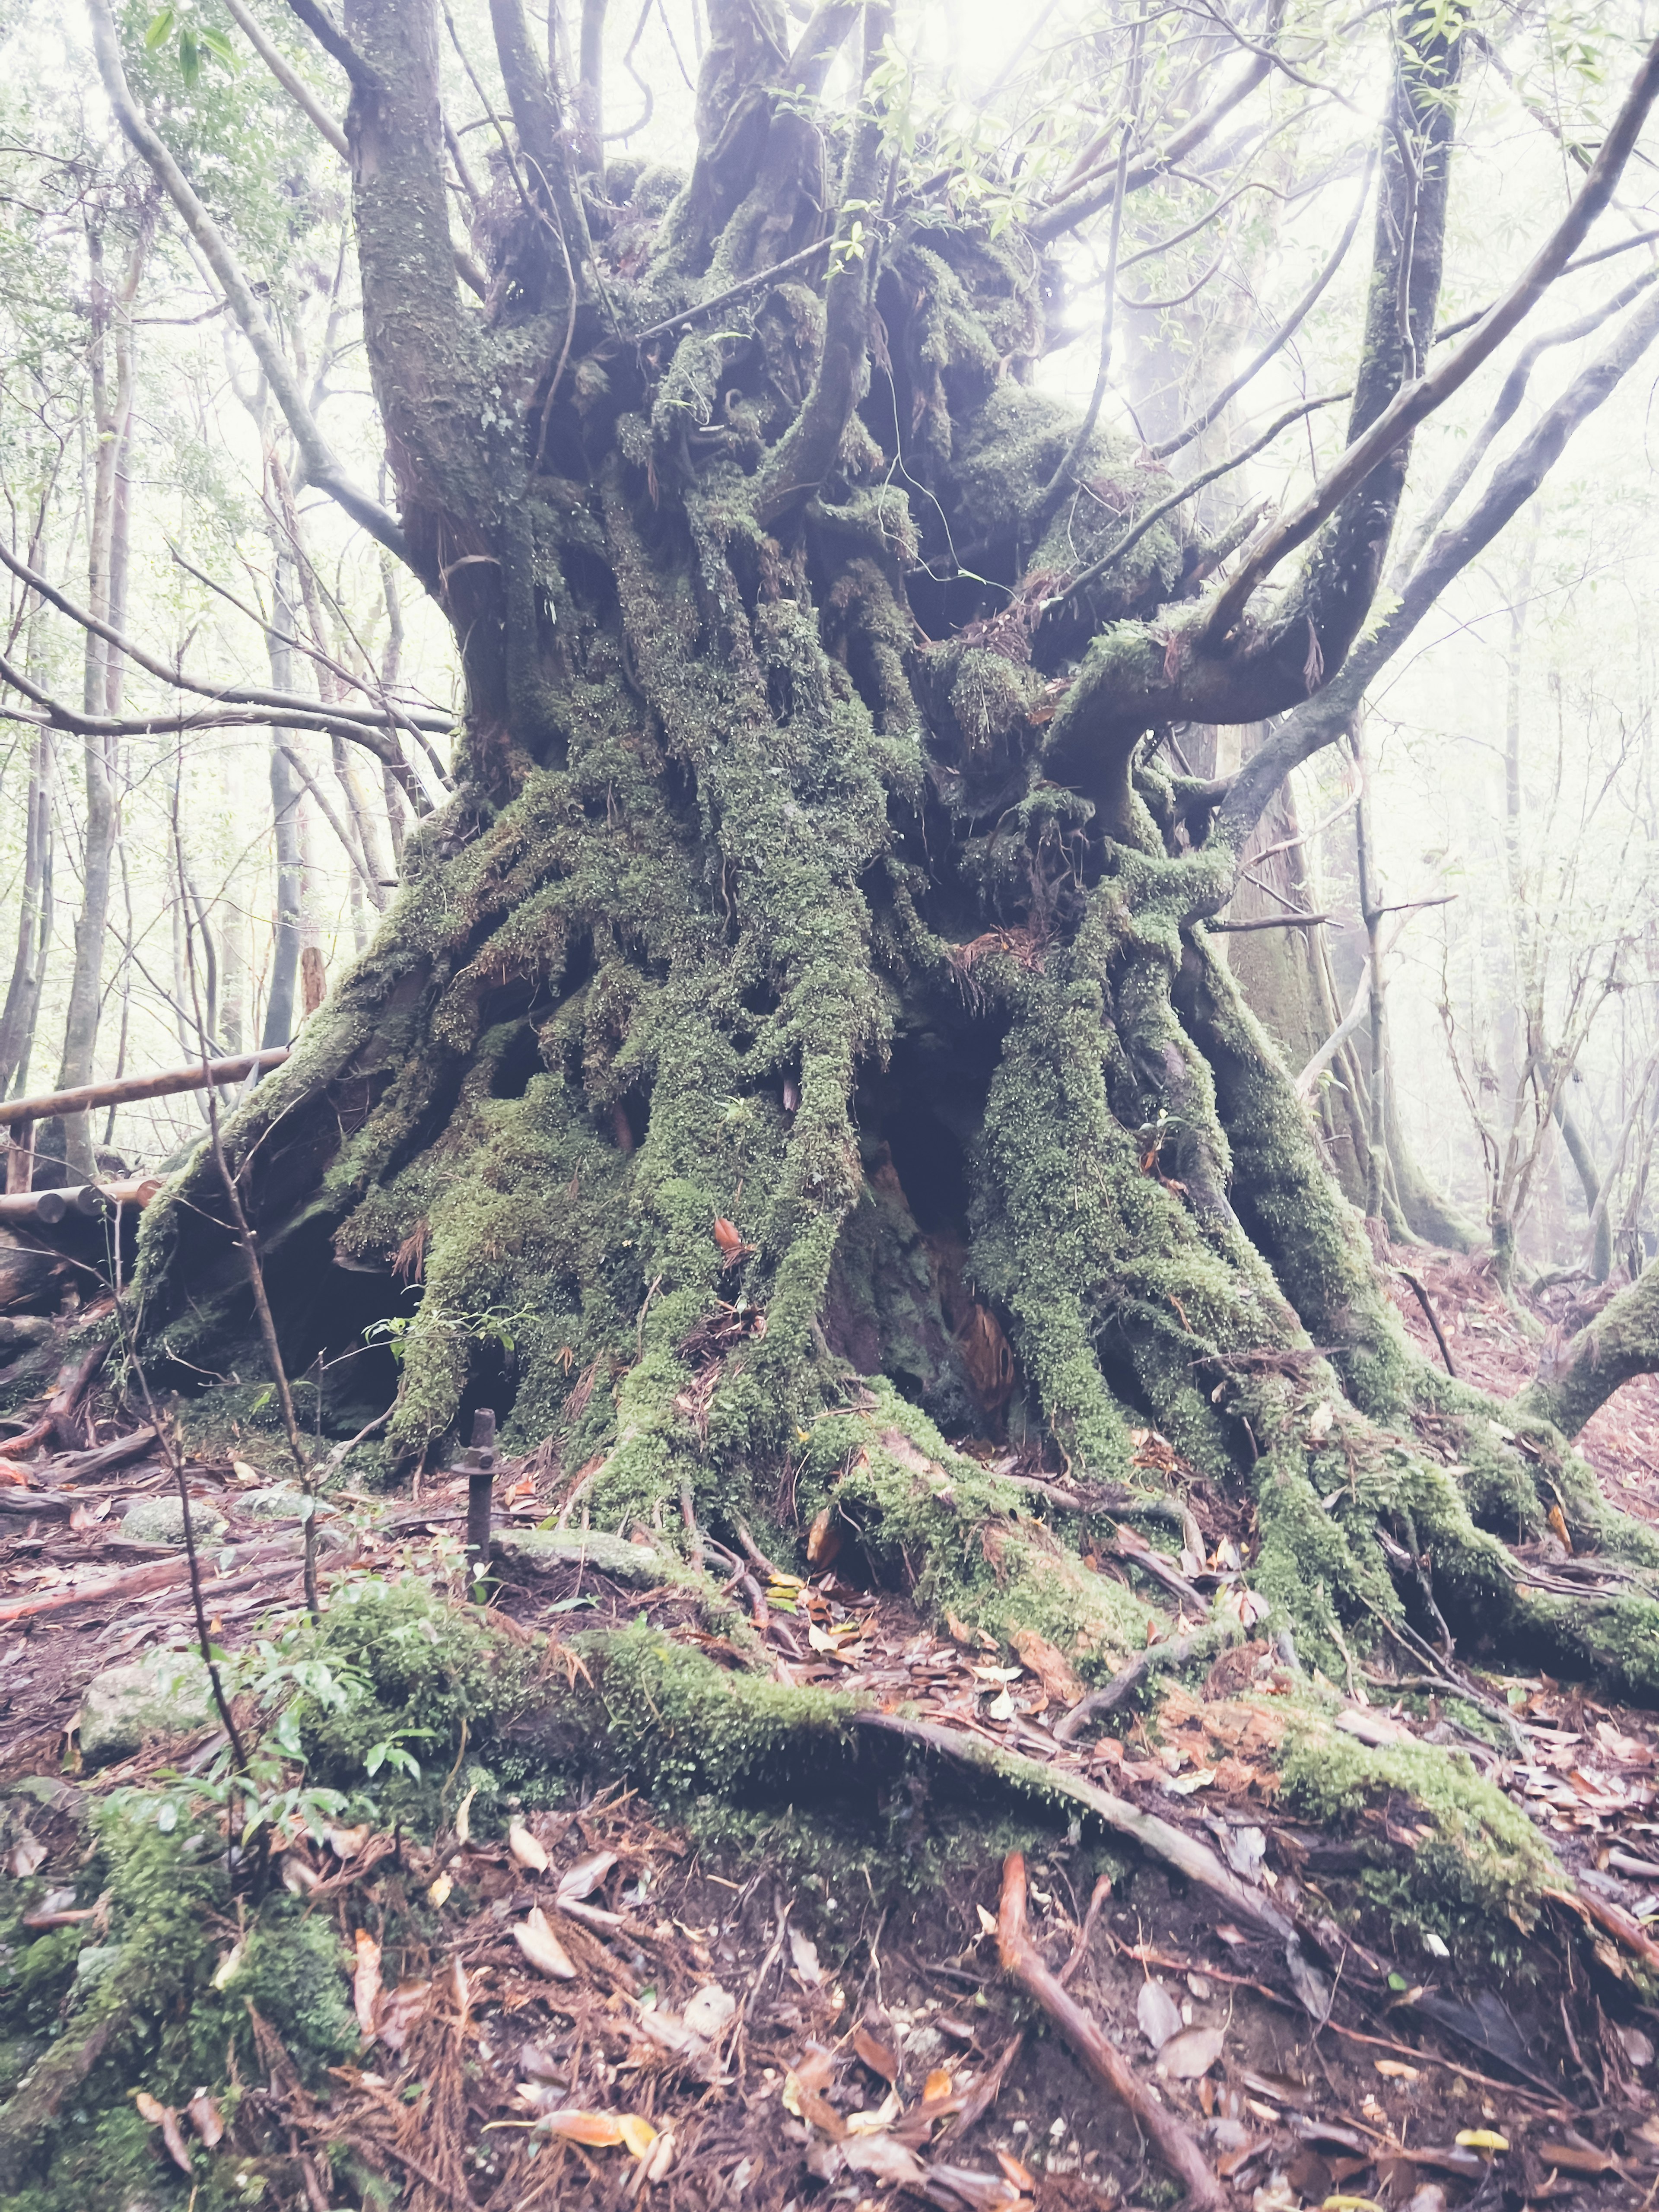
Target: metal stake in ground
(477,1463)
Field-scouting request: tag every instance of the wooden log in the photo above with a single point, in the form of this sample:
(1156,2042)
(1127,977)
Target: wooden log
(44,1209)
(20,1156)
(130,1087)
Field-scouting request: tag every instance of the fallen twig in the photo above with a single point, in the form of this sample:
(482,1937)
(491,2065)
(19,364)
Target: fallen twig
(1155,1659)
(1160,1839)
(1170,2138)
(1406,1275)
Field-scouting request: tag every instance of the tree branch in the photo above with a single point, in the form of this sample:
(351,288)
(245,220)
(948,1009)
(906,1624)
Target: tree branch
(1087,195)
(333,41)
(1417,400)
(1323,719)
(1622,1341)
(321,467)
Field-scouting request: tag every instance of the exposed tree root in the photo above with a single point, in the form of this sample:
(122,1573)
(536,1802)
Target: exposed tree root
(1171,2139)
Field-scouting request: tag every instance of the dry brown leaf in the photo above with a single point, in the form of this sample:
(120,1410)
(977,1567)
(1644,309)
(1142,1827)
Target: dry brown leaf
(729,1237)
(366,1981)
(525,1848)
(1021,2176)
(438,1894)
(1050,1666)
(581,1880)
(936,2087)
(637,2134)
(400,2011)
(876,2054)
(543,1947)
(205,2119)
(163,2117)
(804,1953)
(1395,2070)
(346,1842)
(1189,2054)
(883,2159)
(958,1629)
(597,2130)
(1575,2158)
(822,1542)
(801,2098)
(657,2158)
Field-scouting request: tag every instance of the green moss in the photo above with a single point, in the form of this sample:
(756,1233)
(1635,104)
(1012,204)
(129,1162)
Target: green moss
(1478,1861)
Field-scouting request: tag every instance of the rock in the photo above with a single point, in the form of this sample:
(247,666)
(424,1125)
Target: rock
(537,1549)
(283,1503)
(161,1520)
(163,1693)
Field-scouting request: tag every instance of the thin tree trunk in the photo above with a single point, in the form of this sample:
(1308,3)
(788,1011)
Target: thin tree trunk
(1371,914)
(34,923)
(112,402)
(285,795)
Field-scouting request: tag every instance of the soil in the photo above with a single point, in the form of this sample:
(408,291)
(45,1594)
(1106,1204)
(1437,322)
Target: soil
(716,2028)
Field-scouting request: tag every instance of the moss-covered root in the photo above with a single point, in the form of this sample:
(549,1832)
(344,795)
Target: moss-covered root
(1622,1341)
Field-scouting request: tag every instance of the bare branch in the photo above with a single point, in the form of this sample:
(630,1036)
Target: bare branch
(321,467)
(1417,400)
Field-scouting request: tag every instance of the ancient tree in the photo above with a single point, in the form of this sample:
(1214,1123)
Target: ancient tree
(801,1034)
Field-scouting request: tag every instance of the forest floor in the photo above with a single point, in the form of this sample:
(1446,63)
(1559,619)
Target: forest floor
(608,2012)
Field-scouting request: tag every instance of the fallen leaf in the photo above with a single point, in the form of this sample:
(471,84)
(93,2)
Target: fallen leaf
(244,1473)
(597,2130)
(1558,1522)
(463,1828)
(1189,2054)
(401,2010)
(1372,1727)
(438,1892)
(1020,2175)
(876,2054)
(581,1880)
(1050,1666)
(805,2102)
(163,2117)
(1572,2158)
(658,2159)
(205,2119)
(729,1237)
(879,2121)
(637,2134)
(883,2159)
(1157,2014)
(1481,2139)
(28,1853)
(525,1848)
(822,1542)
(1395,2070)
(346,1842)
(987,1925)
(226,1969)
(804,1953)
(936,2087)
(300,1877)
(366,1981)
(959,1631)
(1001,1707)
(543,1947)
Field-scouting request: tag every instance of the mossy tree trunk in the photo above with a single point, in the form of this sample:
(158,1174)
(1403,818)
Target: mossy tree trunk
(794,891)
